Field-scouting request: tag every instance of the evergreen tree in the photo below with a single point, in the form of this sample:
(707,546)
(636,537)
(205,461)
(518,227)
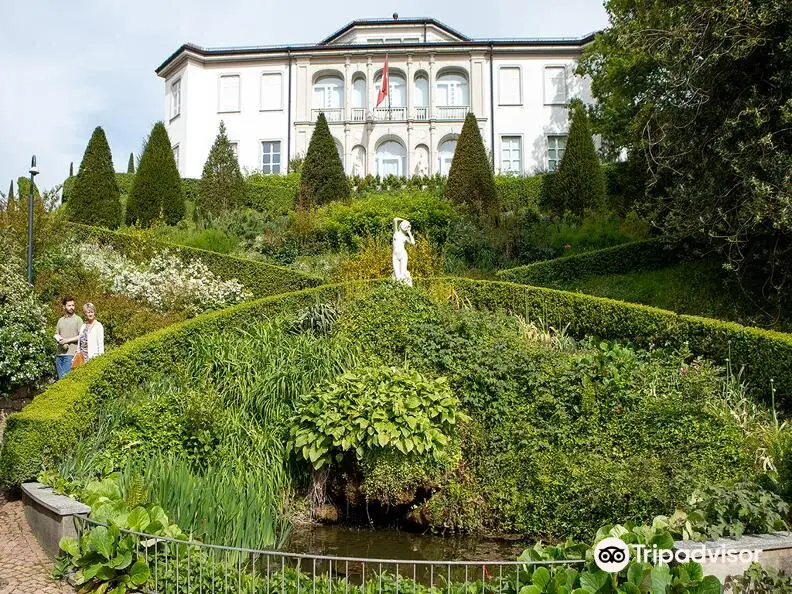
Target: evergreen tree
(579,182)
(222,185)
(71,169)
(156,190)
(131,164)
(11,191)
(94,199)
(322,179)
(470,181)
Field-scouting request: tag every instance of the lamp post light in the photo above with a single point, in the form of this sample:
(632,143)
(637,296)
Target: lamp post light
(33,172)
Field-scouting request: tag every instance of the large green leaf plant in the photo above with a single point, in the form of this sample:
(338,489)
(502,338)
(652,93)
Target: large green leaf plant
(107,560)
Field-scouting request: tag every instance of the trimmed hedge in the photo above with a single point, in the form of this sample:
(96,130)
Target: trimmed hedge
(258,278)
(629,257)
(52,423)
(274,194)
(766,355)
(516,192)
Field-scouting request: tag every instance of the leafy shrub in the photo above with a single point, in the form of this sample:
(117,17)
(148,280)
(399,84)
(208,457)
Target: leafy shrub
(259,278)
(517,192)
(382,319)
(25,350)
(718,511)
(374,408)
(274,194)
(760,580)
(343,225)
(103,557)
(165,282)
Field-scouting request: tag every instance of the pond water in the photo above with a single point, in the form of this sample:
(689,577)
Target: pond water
(348,541)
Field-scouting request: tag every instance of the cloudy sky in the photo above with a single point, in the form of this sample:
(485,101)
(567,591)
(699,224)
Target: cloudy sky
(67,67)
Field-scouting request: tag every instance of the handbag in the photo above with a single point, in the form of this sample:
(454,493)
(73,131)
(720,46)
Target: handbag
(78,360)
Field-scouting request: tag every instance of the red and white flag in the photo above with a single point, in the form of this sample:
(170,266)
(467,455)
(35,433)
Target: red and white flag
(385,83)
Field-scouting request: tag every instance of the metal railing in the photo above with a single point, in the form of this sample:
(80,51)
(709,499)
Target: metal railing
(333,114)
(452,112)
(195,567)
(390,113)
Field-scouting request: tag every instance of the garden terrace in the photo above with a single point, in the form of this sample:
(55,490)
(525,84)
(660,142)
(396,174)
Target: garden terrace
(47,428)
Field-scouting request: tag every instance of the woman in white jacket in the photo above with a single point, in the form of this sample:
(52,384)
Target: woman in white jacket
(90,340)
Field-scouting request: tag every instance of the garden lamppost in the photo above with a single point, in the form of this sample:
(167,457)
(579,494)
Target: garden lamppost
(33,172)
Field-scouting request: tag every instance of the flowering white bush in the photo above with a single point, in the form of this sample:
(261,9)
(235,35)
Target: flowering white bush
(165,282)
(24,353)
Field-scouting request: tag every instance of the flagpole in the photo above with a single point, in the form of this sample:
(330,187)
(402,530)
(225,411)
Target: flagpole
(390,113)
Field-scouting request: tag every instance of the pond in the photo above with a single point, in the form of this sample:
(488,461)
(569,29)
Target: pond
(362,542)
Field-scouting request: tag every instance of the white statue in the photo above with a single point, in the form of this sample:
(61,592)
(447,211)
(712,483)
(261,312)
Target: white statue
(402,233)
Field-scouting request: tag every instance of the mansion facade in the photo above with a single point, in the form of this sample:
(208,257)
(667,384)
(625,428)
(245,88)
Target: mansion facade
(270,97)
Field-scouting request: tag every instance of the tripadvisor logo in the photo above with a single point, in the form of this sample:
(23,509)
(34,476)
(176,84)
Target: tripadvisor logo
(611,554)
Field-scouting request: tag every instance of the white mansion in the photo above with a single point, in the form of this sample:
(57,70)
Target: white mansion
(270,97)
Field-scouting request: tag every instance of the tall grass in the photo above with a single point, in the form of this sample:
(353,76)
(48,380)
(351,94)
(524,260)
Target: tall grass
(263,369)
(225,504)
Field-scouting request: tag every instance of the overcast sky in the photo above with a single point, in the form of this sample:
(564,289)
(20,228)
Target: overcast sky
(67,67)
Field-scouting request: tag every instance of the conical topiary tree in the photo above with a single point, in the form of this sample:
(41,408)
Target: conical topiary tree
(156,190)
(322,178)
(71,169)
(579,182)
(222,185)
(94,199)
(131,164)
(470,181)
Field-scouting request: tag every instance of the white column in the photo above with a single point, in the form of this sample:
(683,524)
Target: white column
(431,91)
(409,82)
(347,90)
(408,158)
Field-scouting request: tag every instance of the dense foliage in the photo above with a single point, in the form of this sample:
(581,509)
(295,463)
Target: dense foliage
(156,190)
(579,182)
(25,350)
(322,177)
(374,408)
(698,95)
(470,180)
(222,185)
(95,197)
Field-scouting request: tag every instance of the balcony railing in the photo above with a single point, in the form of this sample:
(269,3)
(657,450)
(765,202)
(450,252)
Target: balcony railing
(451,112)
(390,113)
(421,114)
(333,114)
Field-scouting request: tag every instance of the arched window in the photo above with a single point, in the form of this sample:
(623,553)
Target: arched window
(328,93)
(445,156)
(396,88)
(452,90)
(339,150)
(390,158)
(359,93)
(421,92)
